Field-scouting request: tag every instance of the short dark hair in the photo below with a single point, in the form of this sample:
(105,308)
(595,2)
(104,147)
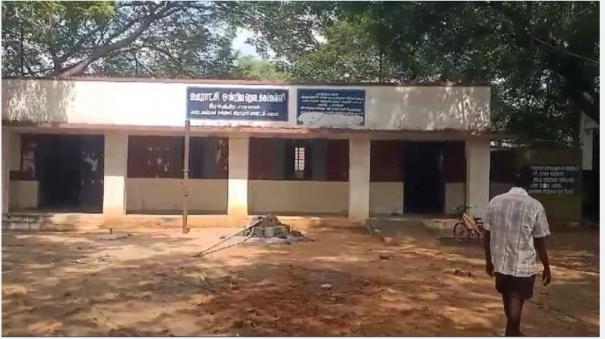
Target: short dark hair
(524,177)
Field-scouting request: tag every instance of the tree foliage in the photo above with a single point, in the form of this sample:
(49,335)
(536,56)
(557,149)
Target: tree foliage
(250,67)
(115,38)
(288,28)
(349,56)
(541,58)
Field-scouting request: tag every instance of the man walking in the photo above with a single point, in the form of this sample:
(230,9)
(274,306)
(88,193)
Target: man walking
(516,227)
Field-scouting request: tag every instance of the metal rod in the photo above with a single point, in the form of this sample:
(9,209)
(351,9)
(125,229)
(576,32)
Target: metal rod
(223,248)
(204,252)
(186,175)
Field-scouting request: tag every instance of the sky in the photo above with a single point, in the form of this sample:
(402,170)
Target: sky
(239,43)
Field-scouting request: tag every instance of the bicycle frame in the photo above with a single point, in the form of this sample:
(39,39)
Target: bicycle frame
(469,220)
(473,224)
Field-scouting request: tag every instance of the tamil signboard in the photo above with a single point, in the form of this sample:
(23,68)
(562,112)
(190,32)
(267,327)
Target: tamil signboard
(554,179)
(237,103)
(328,107)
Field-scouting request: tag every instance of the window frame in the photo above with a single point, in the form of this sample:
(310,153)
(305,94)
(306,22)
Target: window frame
(261,154)
(300,161)
(136,143)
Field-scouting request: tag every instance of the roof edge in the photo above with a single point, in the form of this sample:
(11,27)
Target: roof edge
(440,83)
(250,129)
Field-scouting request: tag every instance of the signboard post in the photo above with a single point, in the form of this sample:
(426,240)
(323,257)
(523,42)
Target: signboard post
(227,103)
(186,176)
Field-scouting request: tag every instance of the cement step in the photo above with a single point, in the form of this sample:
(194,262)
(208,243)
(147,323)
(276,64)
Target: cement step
(51,221)
(413,226)
(87,221)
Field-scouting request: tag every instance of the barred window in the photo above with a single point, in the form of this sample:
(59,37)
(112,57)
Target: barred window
(162,157)
(299,162)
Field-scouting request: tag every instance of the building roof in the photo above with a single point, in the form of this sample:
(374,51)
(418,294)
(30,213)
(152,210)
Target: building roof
(274,131)
(439,83)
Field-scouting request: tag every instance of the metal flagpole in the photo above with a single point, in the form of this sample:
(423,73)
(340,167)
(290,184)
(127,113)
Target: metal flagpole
(186,176)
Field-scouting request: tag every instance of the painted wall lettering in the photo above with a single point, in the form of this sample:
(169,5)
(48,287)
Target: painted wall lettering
(237,103)
(329,107)
(554,179)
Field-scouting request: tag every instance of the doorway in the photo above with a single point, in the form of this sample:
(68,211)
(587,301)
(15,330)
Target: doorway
(70,172)
(424,184)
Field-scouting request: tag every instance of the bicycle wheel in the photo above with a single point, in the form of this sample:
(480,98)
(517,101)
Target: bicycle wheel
(461,233)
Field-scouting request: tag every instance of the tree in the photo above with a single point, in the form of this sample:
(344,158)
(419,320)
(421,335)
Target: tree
(349,56)
(249,67)
(286,27)
(541,58)
(155,38)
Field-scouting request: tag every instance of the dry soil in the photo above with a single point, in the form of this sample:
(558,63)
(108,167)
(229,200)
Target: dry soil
(149,284)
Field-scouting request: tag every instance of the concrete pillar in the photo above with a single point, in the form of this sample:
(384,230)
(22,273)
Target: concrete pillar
(587,127)
(6,166)
(359,178)
(114,182)
(586,138)
(237,204)
(477,175)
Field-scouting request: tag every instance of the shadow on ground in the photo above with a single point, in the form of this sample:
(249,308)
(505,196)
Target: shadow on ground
(149,284)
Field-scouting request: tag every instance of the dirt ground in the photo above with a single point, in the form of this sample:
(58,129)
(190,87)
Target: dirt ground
(149,284)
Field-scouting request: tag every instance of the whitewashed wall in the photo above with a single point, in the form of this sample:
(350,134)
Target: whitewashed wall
(454,196)
(147,195)
(290,197)
(23,195)
(164,104)
(386,198)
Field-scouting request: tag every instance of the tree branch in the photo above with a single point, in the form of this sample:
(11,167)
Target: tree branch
(122,30)
(102,51)
(78,45)
(30,71)
(136,60)
(596,62)
(163,51)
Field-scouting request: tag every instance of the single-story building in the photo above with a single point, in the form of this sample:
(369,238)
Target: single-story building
(115,147)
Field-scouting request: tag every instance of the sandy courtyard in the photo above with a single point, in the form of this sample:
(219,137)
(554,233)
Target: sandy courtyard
(149,284)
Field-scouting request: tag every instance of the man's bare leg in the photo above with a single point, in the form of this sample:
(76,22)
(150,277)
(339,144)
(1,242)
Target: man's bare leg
(513,306)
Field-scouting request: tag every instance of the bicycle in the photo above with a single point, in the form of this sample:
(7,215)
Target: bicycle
(469,227)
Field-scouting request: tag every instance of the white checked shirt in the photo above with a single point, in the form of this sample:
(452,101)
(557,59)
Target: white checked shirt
(514,219)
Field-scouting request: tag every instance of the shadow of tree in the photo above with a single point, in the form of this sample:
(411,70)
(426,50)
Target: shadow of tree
(430,108)
(36,102)
(149,284)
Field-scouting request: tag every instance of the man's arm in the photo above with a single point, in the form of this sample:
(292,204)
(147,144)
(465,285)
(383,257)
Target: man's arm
(487,226)
(540,244)
(489,266)
(541,231)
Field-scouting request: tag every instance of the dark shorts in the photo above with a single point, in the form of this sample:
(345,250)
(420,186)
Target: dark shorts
(521,286)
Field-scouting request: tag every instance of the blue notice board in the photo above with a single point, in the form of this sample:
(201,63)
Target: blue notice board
(331,106)
(237,103)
